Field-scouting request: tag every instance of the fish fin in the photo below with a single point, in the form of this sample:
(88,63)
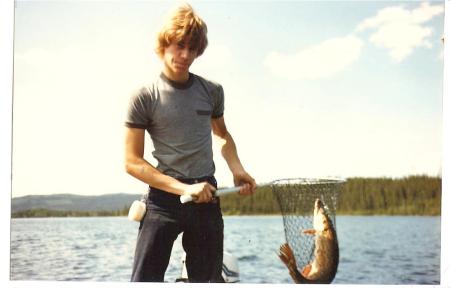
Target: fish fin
(309,231)
(307,270)
(287,257)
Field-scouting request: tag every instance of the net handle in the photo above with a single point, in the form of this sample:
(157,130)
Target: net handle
(221,192)
(302,181)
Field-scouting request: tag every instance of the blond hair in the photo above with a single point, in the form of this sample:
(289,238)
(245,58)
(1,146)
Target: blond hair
(183,24)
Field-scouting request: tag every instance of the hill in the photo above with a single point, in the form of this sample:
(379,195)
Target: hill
(71,202)
(413,195)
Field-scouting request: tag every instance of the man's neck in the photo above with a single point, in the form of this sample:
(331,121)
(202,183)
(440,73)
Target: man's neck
(179,78)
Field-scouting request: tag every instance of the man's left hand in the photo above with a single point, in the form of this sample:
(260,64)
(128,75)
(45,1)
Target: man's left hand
(247,183)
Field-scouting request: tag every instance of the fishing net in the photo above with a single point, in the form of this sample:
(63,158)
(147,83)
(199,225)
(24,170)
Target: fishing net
(296,198)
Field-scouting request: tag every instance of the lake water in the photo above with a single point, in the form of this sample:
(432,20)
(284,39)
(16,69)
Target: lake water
(373,249)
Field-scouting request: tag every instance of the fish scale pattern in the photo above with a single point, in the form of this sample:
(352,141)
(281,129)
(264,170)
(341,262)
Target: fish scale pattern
(296,198)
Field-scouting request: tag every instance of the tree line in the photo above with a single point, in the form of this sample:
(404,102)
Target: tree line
(413,195)
(43,213)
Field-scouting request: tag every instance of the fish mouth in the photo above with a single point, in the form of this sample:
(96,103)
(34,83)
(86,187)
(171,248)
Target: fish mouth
(318,204)
(319,207)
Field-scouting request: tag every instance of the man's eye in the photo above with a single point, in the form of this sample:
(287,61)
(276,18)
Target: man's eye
(181,45)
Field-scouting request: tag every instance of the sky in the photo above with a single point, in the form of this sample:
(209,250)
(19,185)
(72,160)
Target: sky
(312,89)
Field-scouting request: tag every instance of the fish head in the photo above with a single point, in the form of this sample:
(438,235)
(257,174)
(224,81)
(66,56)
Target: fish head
(321,220)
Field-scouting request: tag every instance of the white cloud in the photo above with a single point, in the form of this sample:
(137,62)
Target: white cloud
(320,61)
(400,30)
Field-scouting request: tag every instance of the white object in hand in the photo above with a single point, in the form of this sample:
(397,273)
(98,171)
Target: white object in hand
(217,193)
(137,211)
(221,192)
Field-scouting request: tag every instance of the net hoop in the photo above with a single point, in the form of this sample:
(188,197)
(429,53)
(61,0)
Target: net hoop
(308,181)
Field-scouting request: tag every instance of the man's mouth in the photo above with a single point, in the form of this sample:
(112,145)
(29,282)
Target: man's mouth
(182,65)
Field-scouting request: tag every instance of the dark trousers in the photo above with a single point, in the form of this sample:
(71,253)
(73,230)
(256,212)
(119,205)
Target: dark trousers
(166,217)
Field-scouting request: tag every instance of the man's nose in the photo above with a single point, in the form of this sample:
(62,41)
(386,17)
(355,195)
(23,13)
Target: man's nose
(185,53)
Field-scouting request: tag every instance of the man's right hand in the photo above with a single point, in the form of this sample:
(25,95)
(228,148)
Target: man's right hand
(201,192)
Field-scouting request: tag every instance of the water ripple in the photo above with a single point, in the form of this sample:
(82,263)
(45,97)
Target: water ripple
(373,250)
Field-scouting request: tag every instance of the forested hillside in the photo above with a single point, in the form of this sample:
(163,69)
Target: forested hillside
(414,195)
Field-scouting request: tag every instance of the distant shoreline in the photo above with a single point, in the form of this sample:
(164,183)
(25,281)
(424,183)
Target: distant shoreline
(44,213)
(414,195)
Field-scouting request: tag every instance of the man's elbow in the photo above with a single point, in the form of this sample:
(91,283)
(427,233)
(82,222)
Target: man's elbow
(129,165)
(223,134)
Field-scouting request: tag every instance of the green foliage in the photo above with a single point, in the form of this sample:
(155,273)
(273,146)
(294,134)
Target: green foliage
(414,195)
(263,201)
(39,213)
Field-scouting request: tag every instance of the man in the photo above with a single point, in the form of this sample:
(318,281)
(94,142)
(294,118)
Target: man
(179,110)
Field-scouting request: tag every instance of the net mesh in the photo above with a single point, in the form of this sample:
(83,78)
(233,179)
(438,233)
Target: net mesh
(296,198)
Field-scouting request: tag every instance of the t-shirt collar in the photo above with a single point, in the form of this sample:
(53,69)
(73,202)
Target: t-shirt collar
(178,85)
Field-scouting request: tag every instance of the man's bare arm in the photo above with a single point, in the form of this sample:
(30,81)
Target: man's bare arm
(229,153)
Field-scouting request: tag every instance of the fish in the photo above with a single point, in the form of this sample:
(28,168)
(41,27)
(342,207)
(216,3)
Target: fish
(322,269)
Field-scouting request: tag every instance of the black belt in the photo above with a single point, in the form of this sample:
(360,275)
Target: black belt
(209,179)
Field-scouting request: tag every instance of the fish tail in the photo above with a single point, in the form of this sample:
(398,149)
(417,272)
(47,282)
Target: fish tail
(287,257)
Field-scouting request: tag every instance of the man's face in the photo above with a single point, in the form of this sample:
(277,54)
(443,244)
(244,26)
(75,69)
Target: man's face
(178,57)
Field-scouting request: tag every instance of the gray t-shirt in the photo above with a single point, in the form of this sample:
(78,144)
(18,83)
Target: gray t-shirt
(178,119)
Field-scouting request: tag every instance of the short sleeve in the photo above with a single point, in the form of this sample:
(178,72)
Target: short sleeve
(218,103)
(138,115)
